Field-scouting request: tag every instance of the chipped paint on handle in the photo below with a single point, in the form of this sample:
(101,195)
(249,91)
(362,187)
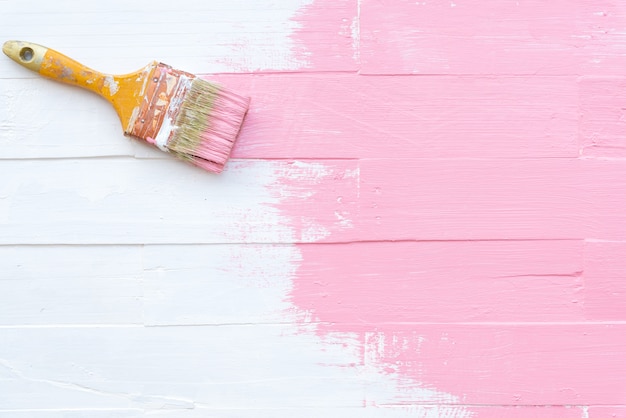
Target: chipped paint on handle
(162,94)
(124,92)
(52,64)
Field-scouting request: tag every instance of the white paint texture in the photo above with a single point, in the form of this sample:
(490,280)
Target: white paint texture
(119,37)
(132,285)
(126,201)
(174,327)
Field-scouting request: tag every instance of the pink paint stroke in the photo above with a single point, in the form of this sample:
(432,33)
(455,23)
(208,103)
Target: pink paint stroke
(324,37)
(493,37)
(352,116)
(463,255)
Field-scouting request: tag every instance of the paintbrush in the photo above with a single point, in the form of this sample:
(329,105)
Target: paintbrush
(194,119)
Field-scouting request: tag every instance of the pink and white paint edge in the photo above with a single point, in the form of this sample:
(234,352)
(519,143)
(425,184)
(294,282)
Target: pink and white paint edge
(458,253)
(495,293)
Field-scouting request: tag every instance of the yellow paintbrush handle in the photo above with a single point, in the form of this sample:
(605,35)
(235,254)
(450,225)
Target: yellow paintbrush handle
(124,92)
(52,64)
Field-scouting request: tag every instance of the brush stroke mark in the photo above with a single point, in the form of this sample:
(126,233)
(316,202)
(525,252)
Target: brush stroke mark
(324,37)
(493,37)
(502,321)
(352,116)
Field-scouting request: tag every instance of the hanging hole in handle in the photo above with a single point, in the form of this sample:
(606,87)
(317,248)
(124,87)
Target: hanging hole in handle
(27,54)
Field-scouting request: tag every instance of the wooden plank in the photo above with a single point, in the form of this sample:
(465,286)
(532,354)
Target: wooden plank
(278,366)
(470,199)
(70,285)
(491,37)
(42,119)
(217,367)
(463,281)
(418,282)
(220,36)
(113,201)
(226,284)
(352,116)
(489,199)
(421,411)
(502,364)
(428,411)
(218,284)
(324,116)
(154,284)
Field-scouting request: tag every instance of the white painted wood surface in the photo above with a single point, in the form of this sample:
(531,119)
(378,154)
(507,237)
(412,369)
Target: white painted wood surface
(134,287)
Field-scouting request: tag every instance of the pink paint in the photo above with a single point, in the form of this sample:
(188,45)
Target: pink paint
(324,38)
(607,412)
(464,239)
(549,411)
(506,364)
(603,116)
(490,322)
(317,198)
(456,281)
(492,37)
(351,116)
(461,199)
(471,199)
(605,287)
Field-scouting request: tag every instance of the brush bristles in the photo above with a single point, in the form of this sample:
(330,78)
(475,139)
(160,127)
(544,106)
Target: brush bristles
(207,124)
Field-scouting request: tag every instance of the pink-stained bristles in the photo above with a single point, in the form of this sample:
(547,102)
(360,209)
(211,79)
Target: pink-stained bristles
(196,120)
(207,124)
(215,142)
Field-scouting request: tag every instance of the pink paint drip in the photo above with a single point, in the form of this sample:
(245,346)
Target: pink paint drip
(491,293)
